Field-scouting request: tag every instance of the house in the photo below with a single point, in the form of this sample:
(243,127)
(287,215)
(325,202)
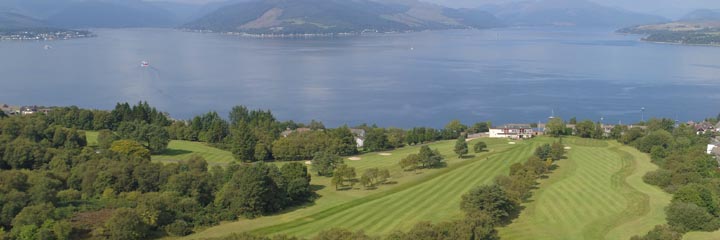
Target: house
(607,129)
(27,110)
(289,131)
(512,131)
(717,127)
(359,136)
(703,127)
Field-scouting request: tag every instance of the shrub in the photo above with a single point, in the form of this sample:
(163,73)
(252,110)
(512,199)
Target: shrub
(178,228)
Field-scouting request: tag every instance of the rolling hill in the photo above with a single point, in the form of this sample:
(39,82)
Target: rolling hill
(112,14)
(13,21)
(702,15)
(567,13)
(338,16)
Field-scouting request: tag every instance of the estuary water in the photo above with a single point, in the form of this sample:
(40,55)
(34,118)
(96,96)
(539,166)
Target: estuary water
(403,80)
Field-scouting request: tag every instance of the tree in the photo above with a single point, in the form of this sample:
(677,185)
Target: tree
(411,162)
(106,138)
(544,151)
(660,138)
(252,191)
(343,141)
(376,140)
(490,200)
(479,147)
(631,135)
(297,181)
(689,217)
(617,131)
(131,149)
(700,195)
(242,142)
(430,158)
(453,129)
(660,232)
(557,151)
(325,163)
(34,215)
(342,174)
(155,138)
(461,147)
(585,129)
(126,224)
(556,127)
(599,132)
(480,127)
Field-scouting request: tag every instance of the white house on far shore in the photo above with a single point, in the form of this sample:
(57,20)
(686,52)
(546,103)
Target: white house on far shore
(512,131)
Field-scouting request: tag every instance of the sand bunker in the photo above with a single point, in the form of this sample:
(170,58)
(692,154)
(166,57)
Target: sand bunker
(511,143)
(385,154)
(568,148)
(355,159)
(308,162)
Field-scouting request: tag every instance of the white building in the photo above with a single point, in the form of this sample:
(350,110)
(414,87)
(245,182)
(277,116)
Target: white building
(711,147)
(512,131)
(359,136)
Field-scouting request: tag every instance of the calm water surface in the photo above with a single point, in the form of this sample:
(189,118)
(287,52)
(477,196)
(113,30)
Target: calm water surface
(404,80)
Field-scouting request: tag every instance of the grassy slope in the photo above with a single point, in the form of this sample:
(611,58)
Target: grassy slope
(91,137)
(433,195)
(702,235)
(598,193)
(183,150)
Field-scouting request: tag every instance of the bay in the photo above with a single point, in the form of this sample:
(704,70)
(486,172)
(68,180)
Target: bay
(403,80)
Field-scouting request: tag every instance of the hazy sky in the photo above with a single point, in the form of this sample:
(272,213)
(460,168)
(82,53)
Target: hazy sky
(668,8)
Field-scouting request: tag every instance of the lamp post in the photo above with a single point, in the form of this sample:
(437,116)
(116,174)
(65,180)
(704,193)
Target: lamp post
(642,114)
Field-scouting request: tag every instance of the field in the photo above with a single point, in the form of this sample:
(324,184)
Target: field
(183,150)
(598,193)
(433,195)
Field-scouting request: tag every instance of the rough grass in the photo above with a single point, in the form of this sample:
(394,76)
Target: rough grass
(183,150)
(597,193)
(91,137)
(702,235)
(429,195)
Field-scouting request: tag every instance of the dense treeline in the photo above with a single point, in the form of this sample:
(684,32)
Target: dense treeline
(53,186)
(251,135)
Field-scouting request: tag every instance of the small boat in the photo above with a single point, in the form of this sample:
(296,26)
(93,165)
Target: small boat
(47,47)
(144,64)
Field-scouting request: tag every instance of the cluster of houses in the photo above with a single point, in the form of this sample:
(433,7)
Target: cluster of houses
(525,131)
(22,111)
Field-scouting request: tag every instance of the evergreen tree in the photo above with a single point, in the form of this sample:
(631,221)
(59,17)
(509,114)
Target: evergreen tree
(461,147)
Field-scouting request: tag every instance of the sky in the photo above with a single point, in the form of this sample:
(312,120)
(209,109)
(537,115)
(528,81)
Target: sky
(666,8)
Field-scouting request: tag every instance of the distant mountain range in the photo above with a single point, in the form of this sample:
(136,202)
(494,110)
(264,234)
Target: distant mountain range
(14,22)
(567,13)
(700,27)
(106,13)
(702,15)
(338,16)
(322,16)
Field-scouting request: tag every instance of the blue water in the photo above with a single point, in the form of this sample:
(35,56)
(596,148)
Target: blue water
(403,80)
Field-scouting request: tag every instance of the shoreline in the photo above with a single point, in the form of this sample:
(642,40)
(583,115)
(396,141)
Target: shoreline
(681,44)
